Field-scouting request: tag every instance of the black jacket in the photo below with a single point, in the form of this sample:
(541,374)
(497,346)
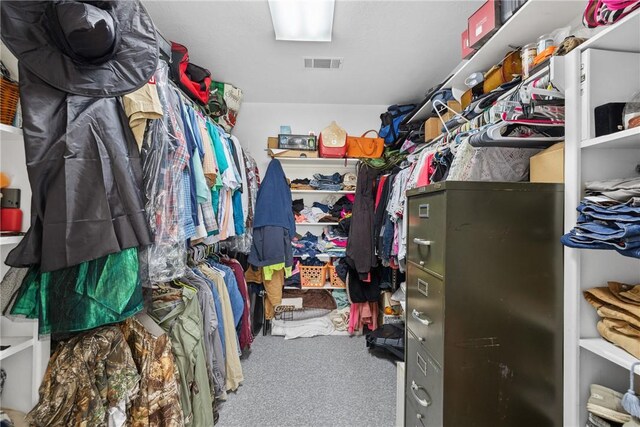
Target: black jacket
(361,254)
(85,176)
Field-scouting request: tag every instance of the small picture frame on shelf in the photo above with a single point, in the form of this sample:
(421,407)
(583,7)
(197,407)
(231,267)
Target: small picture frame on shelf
(297,142)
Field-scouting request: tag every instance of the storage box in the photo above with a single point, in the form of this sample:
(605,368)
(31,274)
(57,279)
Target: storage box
(274,151)
(483,23)
(548,165)
(433,126)
(467,51)
(508,8)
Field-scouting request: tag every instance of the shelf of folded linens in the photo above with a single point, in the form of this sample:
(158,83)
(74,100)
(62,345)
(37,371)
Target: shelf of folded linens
(629,138)
(316,223)
(324,191)
(611,352)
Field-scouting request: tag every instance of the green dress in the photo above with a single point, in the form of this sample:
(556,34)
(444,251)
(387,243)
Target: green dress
(91,294)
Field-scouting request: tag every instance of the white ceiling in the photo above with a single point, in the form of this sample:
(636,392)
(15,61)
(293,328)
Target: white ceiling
(393,50)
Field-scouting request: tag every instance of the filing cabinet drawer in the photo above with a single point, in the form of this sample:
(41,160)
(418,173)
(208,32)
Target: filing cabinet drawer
(425,309)
(426,231)
(423,388)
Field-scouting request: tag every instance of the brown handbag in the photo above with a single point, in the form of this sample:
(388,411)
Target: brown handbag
(362,147)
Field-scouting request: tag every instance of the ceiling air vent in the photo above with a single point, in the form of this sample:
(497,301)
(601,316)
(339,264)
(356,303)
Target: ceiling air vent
(323,63)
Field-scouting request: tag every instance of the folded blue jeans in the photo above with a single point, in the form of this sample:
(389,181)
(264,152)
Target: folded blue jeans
(598,230)
(616,213)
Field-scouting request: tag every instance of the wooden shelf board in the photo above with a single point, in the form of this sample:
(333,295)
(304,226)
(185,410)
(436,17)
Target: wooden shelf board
(17,345)
(608,351)
(629,138)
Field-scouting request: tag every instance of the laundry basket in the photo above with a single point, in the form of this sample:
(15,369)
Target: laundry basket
(313,276)
(335,280)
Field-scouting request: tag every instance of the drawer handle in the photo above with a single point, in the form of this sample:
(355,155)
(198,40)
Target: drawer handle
(418,316)
(422,242)
(422,402)
(423,211)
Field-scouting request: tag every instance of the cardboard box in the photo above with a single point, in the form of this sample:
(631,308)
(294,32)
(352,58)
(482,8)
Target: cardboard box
(483,23)
(274,151)
(467,50)
(548,165)
(433,126)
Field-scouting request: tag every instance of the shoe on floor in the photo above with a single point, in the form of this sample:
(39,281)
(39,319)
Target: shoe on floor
(607,403)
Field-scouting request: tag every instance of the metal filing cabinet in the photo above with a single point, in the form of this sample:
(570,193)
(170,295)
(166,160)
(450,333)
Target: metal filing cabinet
(484,305)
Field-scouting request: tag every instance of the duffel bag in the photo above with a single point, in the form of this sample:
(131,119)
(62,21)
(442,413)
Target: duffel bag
(194,80)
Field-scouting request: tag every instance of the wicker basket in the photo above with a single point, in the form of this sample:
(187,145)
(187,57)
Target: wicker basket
(9,96)
(336,281)
(313,276)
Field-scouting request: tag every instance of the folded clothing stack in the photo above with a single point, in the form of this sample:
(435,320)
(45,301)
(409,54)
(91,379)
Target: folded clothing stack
(618,306)
(609,218)
(334,182)
(322,212)
(309,246)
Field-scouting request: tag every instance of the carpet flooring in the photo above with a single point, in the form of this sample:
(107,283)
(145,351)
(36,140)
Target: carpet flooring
(312,382)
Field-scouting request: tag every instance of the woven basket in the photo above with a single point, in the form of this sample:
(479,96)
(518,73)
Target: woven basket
(336,281)
(9,96)
(313,276)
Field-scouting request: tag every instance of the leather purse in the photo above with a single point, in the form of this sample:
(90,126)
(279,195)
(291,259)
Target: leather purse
(504,72)
(332,142)
(362,147)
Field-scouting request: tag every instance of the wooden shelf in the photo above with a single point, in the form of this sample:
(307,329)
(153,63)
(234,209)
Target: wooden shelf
(323,191)
(533,19)
(10,240)
(17,345)
(624,36)
(629,138)
(608,351)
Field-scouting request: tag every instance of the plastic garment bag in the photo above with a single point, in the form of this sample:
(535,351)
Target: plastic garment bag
(164,157)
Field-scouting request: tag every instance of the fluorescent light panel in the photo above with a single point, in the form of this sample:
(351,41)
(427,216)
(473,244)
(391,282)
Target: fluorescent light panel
(302,20)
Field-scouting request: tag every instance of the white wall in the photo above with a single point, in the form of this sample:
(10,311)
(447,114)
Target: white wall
(258,121)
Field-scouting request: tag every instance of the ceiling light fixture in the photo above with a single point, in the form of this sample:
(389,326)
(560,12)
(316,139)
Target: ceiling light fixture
(302,20)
